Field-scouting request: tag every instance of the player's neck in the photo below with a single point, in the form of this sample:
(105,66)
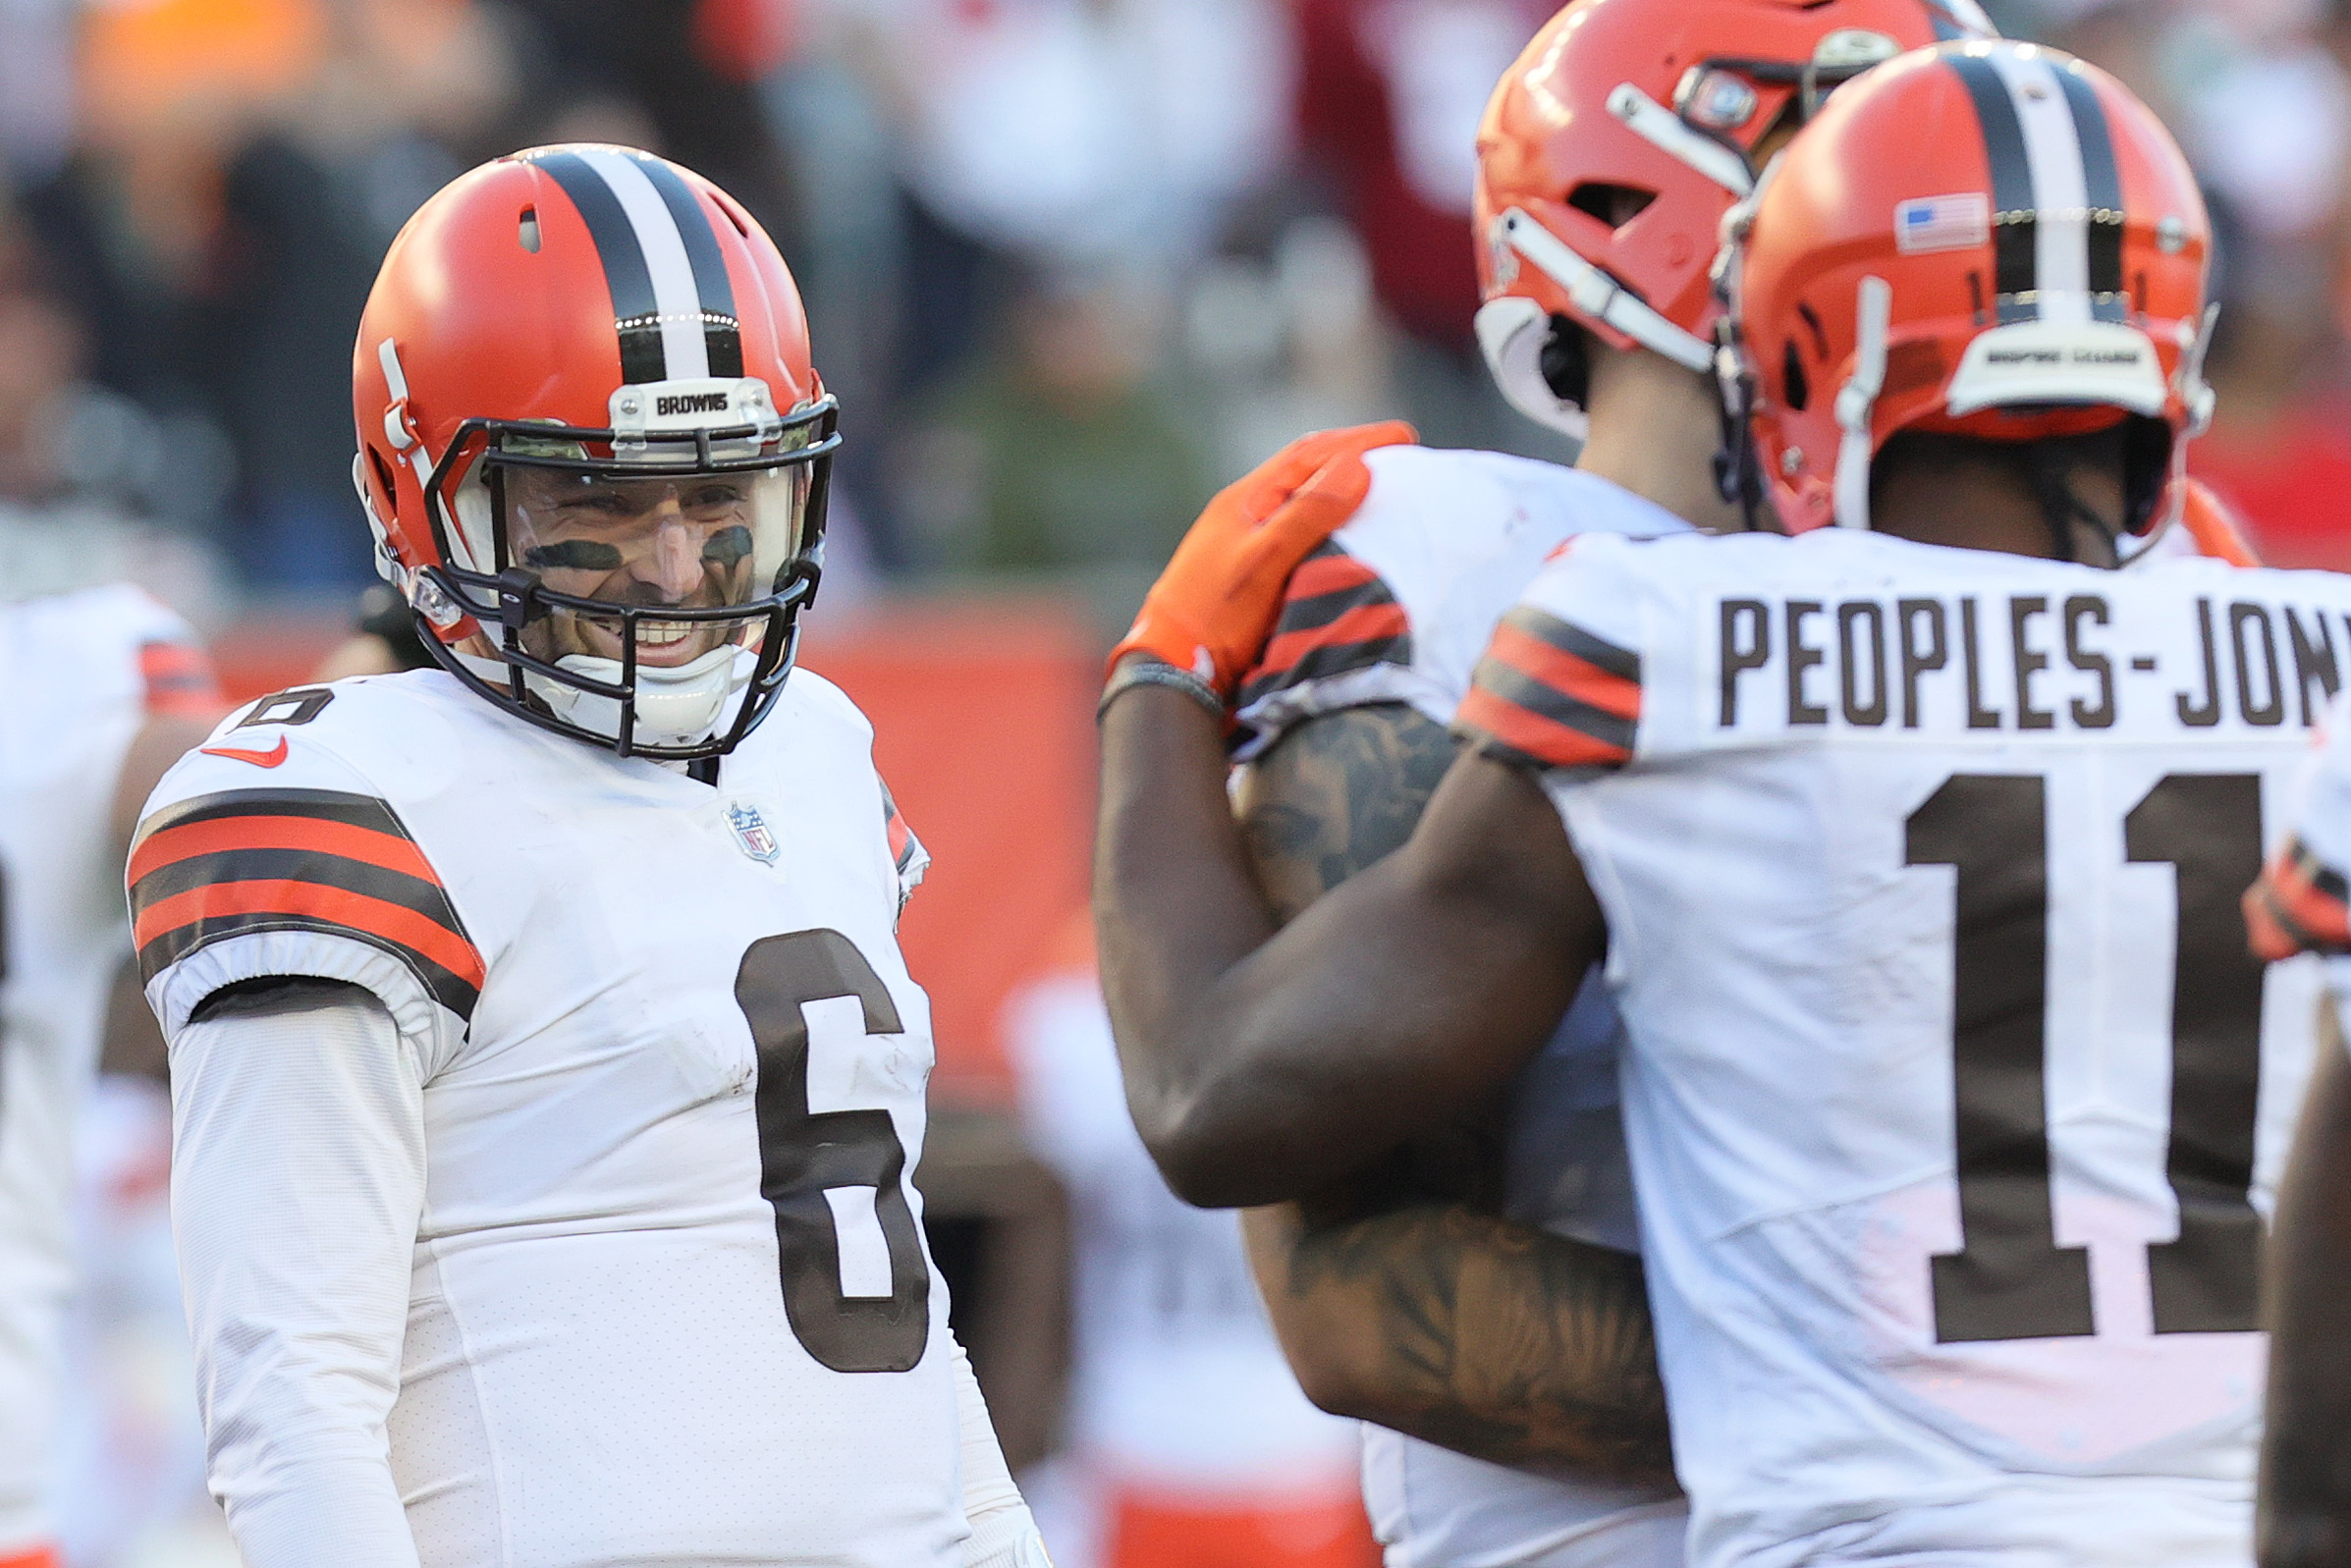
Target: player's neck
(1941,495)
(1655,431)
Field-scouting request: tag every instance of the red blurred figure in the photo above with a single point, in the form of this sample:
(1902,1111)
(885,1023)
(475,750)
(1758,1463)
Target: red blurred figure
(1390,93)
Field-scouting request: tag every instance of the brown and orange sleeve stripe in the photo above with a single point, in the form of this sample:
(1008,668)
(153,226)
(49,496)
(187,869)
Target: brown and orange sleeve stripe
(319,860)
(178,680)
(1336,615)
(2297,906)
(1548,694)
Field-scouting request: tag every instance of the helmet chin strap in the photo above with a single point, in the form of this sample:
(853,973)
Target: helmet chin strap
(1874,312)
(1601,296)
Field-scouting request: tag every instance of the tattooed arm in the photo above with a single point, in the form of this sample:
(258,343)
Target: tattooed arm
(1429,1317)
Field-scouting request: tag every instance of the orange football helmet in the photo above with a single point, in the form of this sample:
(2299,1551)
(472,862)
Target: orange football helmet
(1985,239)
(1612,149)
(591,436)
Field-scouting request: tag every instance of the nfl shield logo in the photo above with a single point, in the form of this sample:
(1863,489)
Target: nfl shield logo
(752,833)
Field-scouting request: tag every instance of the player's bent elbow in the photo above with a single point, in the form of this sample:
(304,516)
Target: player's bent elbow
(1207,1160)
(1334,1377)
(1199,1169)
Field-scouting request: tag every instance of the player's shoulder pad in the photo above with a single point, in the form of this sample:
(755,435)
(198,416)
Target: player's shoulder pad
(1430,516)
(1561,684)
(1431,511)
(270,850)
(122,644)
(1606,582)
(814,700)
(817,719)
(115,611)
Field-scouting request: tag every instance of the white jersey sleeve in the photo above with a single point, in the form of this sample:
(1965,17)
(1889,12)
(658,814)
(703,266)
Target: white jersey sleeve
(1560,686)
(297,1177)
(1398,603)
(265,853)
(1954,1097)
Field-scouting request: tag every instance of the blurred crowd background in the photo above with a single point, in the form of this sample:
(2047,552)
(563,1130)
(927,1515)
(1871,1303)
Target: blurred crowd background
(1070,265)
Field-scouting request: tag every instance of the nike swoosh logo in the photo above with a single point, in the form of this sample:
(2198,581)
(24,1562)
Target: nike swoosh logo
(259,758)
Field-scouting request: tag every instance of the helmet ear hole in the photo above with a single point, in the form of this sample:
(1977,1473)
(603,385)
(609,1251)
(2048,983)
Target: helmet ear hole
(1795,387)
(383,475)
(1566,363)
(1613,205)
(527,229)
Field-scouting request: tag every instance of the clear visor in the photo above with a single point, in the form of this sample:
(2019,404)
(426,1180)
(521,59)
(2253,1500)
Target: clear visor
(700,542)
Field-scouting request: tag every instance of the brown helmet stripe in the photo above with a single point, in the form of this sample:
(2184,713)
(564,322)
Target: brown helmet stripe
(721,331)
(636,315)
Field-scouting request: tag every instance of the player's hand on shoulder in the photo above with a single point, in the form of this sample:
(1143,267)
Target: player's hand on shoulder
(1214,607)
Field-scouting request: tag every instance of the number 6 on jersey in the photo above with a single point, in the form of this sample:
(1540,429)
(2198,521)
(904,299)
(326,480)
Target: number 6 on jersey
(857,1284)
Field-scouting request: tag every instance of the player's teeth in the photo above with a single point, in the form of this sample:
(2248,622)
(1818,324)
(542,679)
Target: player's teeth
(661,633)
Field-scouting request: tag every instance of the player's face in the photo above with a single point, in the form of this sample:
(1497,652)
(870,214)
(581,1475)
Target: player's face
(691,541)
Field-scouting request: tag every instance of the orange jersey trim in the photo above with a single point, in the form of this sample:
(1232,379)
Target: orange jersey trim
(1334,572)
(1565,672)
(1364,623)
(2289,911)
(1541,739)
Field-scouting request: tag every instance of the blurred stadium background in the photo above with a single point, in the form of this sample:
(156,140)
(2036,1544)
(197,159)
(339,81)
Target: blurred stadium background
(1070,265)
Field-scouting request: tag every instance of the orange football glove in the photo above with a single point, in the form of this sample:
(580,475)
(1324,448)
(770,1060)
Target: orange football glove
(1214,605)
(2212,526)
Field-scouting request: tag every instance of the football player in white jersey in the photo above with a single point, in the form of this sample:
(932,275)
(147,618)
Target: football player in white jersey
(1607,157)
(547,1081)
(1912,845)
(101,688)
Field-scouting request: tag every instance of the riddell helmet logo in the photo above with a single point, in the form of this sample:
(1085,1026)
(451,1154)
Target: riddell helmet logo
(2079,357)
(669,405)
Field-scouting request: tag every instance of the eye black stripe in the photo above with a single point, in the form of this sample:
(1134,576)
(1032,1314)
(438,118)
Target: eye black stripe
(2103,183)
(719,327)
(2016,264)
(635,314)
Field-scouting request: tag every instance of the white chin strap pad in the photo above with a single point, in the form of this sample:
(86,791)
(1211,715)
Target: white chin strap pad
(1859,400)
(675,706)
(1513,332)
(1596,295)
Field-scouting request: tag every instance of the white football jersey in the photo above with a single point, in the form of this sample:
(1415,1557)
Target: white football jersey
(669,1297)
(80,673)
(1953,1096)
(1397,607)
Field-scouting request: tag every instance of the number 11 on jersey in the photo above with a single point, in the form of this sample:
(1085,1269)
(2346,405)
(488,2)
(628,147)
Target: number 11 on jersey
(2010,1279)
